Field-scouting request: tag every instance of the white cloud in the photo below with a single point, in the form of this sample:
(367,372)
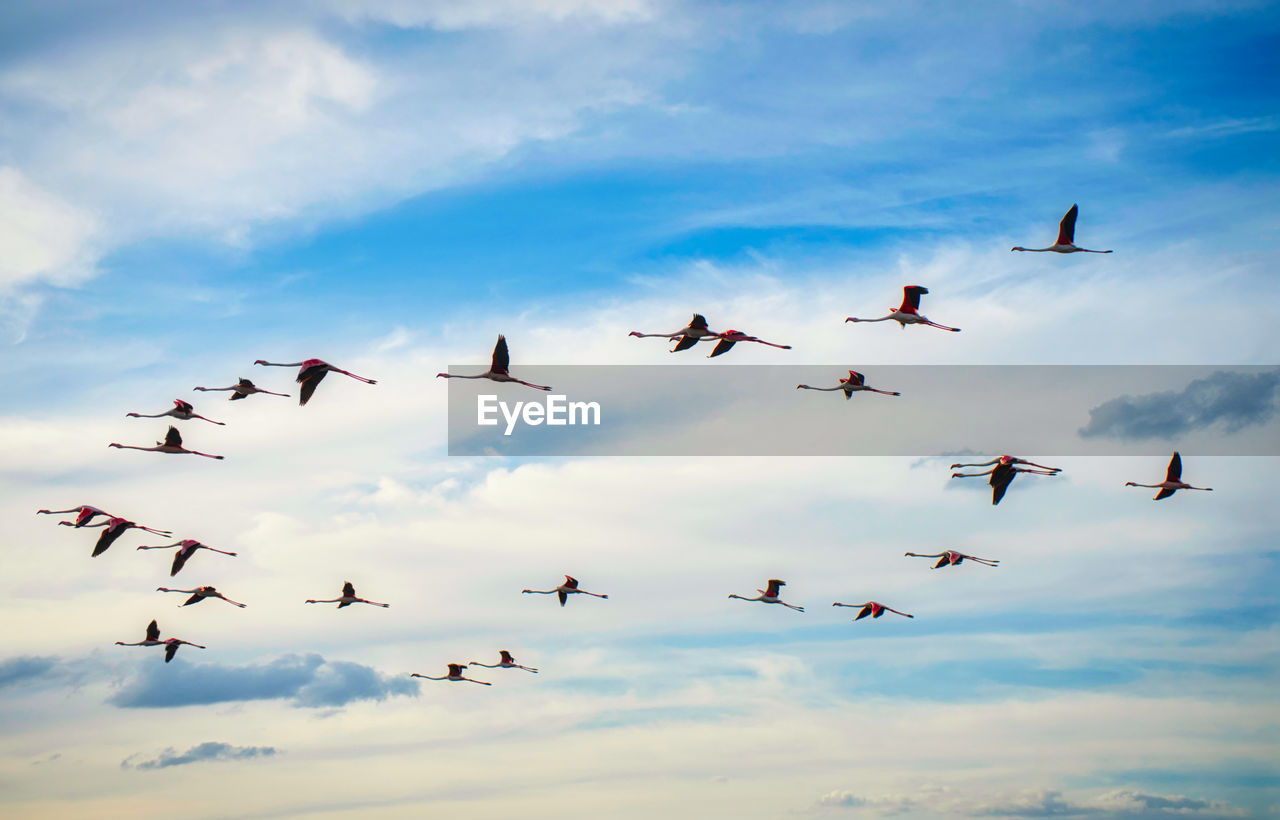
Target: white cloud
(43,236)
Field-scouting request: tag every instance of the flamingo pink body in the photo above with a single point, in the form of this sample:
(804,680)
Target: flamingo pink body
(908,313)
(770,595)
(950,558)
(1172,481)
(310,373)
(569,587)
(499,368)
(1066,237)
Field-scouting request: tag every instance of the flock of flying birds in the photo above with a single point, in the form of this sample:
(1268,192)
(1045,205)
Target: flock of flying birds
(1003,469)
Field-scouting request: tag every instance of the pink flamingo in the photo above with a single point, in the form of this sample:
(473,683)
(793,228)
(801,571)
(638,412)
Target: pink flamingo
(153,639)
(1172,481)
(569,587)
(1066,237)
(1003,473)
(348,598)
(455,674)
(311,373)
(688,335)
(952,558)
(499,368)
(115,527)
(84,514)
(855,383)
(770,595)
(241,389)
(731,337)
(873,609)
(181,410)
(186,548)
(199,594)
(505,662)
(172,444)
(909,312)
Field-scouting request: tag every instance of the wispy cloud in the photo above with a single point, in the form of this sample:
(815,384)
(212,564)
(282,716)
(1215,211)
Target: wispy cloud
(200,753)
(307,680)
(1232,400)
(1120,804)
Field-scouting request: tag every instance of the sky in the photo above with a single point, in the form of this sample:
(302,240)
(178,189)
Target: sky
(187,188)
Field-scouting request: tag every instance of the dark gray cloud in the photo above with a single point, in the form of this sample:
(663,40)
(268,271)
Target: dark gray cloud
(26,668)
(1229,399)
(307,680)
(198,754)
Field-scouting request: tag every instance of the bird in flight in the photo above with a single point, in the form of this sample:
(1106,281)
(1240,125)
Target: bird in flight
(1003,473)
(731,337)
(1172,481)
(84,514)
(854,384)
(153,639)
(1066,237)
(499,368)
(505,662)
(873,609)
(348,598)
(199,594)
(951,558)
(770,595)
(689,335)
(113,529)
(569,587)
(241,389)
(909,312)
(181,410)
(311,372)
(172,444)
(186,548)
(455,674)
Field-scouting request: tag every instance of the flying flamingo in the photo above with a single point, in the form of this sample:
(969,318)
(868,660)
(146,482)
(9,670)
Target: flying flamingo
(310,374)
(1003,473)
(1172,481)
(873,609)
(348,598)
(854,384)
(153,639)
(689,335)
(199,594)
(506,662)
(241,389)
(115,527)
(84,514)
(951,558)
(770,596)
(455,674)
(499,368)
(172,444)
(1066,237)
(909,312)
(731,337)
(186,548)
(569,587)
(181,410)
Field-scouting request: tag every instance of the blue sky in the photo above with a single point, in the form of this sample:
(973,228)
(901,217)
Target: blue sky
(389,185)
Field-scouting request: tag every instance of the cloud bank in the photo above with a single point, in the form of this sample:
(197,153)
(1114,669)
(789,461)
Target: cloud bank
(1232,400)
(306,680)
